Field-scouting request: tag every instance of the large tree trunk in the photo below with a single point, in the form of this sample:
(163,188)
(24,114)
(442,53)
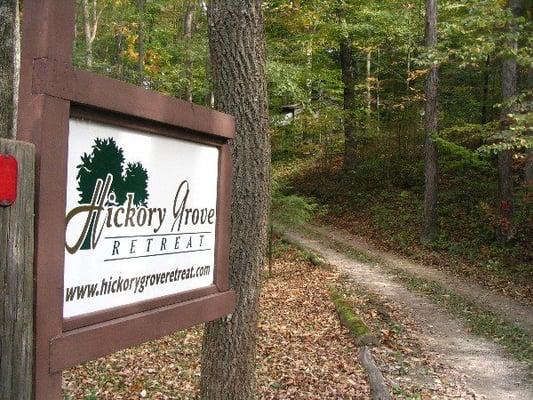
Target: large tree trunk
(429,228)
(236,42)
(505,158)
(9,66)
(187,33)
(350,123)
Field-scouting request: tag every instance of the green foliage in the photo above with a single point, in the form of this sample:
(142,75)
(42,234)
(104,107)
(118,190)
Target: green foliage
(168,54)
(518,127)
(459,157)
(290,209)
(470,136)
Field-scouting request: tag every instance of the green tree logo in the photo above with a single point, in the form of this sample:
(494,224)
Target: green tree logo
(107,158)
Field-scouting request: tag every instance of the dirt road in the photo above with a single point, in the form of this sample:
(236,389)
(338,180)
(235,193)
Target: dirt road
(489,372)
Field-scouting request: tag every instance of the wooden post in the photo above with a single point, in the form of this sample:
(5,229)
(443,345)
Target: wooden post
(47,34)
(16,279)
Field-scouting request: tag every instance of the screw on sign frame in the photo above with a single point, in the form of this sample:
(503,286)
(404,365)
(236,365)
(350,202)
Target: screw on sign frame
(52,92)
(8,180)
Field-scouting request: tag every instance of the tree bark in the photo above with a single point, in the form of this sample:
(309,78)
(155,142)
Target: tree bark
(236,42)
(9,66)
(90,27)
(505,157)
(350,124)
(188,20)
(378,90)
(429,228)
(378,387)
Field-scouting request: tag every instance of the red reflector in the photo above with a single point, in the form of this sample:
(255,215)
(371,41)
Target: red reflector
(8,180)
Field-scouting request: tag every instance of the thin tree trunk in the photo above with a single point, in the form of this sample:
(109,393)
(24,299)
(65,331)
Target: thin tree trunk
(237,47)
(505,157)
(9,67)
(378,90)
(140,63)
(120,41)
(210,96)
(368,83)
(485,99)
(187,33)
(408,78)
(118,59)
(87,33)
(350,124)
(90,27)
(528,168)
(429,228)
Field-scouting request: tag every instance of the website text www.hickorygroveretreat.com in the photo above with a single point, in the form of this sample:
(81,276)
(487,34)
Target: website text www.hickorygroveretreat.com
(135,284)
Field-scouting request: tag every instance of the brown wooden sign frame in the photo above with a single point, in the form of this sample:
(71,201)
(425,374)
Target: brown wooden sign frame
(51,92)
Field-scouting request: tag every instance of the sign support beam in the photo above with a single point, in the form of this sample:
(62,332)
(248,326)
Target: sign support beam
(48,33)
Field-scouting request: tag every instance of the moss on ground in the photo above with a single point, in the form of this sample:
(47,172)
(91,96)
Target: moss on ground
(353,322)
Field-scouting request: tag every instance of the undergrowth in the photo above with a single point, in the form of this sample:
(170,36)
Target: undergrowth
(383,199)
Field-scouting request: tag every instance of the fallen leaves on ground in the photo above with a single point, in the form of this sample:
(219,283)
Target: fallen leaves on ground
(303,352)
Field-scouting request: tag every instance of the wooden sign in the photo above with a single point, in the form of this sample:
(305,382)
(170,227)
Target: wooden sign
(133,201)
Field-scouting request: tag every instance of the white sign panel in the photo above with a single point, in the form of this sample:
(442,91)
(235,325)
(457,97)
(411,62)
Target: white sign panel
(141,216)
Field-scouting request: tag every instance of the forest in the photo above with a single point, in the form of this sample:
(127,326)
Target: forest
(405,124)
(348,113)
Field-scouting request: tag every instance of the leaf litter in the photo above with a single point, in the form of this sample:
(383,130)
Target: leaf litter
(303,352)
